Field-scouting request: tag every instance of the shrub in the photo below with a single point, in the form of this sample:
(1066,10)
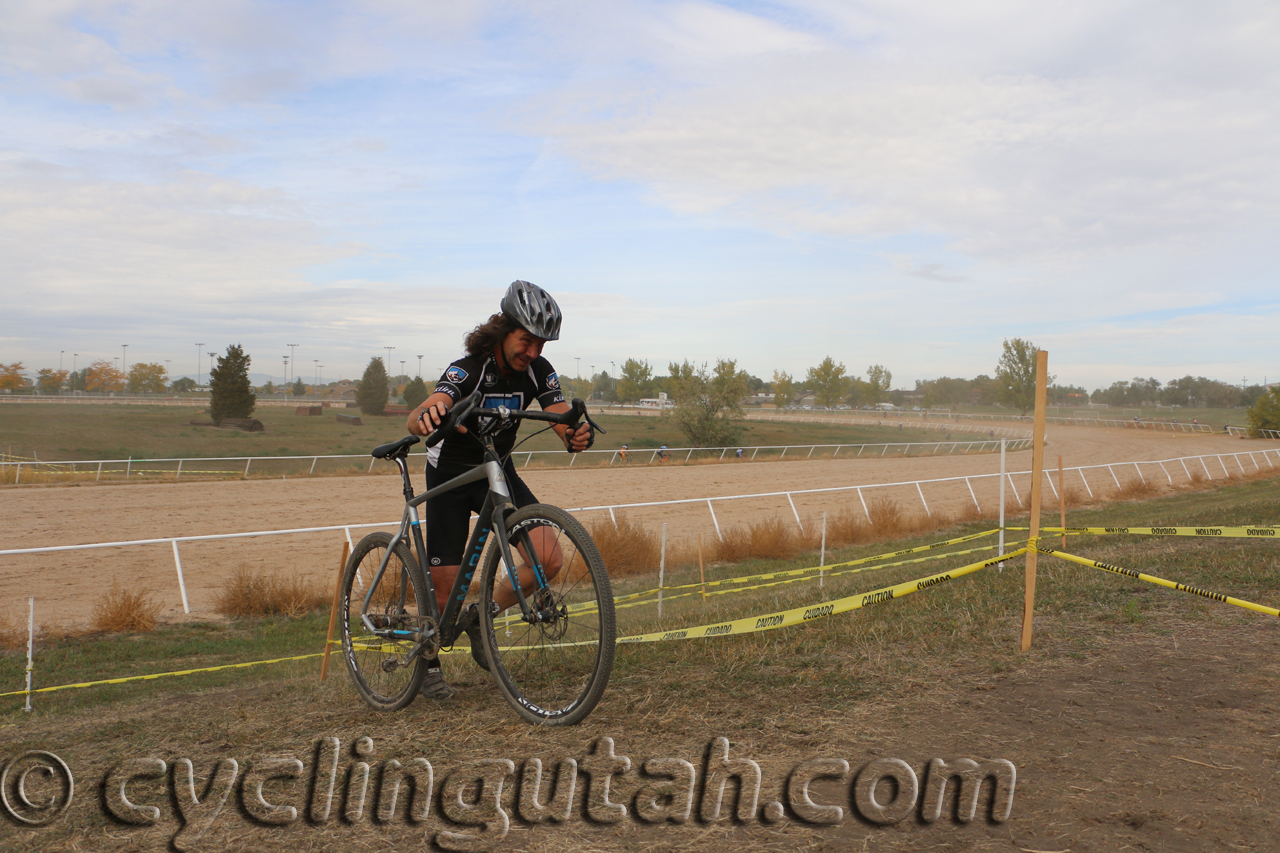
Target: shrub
(120,611)
(247,594)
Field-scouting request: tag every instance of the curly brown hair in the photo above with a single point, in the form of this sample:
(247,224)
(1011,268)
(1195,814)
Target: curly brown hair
(483,338)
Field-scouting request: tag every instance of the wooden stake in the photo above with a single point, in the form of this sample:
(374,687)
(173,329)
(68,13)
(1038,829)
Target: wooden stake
(701,572)
(1037,474)
(333,611)
(1062,503)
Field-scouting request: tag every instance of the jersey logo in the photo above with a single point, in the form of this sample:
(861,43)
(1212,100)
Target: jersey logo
(455,374)
(490,379)
(511,401)
(553,381)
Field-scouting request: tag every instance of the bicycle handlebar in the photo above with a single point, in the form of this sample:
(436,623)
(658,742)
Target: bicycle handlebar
(466,408)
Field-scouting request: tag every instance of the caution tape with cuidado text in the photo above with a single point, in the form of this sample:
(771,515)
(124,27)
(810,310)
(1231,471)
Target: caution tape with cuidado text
(1250,532)
(1180,587)
(800,615)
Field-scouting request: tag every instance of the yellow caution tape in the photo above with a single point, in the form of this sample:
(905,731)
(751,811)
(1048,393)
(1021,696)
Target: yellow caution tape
(1181,587)
(808,570)
(1250,532)
(800,615)
(156,675)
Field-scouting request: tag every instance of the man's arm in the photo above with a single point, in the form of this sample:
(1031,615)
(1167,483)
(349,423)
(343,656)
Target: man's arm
(424,419)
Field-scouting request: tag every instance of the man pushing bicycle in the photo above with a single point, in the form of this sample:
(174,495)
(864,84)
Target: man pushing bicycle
(504,359)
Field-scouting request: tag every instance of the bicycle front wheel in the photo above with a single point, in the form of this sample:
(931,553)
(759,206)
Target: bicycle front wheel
(553,669)
(380,664)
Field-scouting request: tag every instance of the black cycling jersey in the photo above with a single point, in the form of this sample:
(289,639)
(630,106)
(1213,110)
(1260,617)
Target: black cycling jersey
(513,390)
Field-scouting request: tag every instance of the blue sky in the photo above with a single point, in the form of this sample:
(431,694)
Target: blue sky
(902,183)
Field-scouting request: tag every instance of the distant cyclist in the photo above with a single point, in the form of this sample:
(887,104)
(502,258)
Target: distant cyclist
(662,453)
(504,357)
(624,455)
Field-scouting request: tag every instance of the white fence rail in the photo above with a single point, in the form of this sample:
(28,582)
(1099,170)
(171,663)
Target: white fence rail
(1207,463)
(231,466)
(1245,432)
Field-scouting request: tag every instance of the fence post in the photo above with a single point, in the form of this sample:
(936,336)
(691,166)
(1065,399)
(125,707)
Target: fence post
(793,512)
(714,520)
(864,506)
(662,568)
(972,495)
(18,480)
(249,462)
(1037,467)
(129,466)
(920,491)
(1000,566)
(182,584)
(1090,491)
(314,460)
(613,518)
(31,646)
(822,555)
(333,612)
(179,474)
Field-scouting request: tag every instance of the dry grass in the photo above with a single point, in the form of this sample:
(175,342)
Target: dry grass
(627,548)
(247,594)
(775,538)
(12,633)
(122,611)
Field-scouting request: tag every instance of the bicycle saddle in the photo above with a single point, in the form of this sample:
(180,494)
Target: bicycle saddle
(396,448)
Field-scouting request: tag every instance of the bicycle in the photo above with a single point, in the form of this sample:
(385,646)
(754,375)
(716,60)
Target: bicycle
(551,659)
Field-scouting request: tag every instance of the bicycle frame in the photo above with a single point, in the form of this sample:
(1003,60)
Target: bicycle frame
(497,505)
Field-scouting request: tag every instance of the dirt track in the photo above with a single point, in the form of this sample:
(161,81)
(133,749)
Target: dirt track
(65,584)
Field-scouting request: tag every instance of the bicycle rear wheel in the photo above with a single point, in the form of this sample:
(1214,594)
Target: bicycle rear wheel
(383,673)
(553,671)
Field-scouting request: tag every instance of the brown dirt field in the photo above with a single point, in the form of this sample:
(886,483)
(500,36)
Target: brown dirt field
(66,584)
(1154,738)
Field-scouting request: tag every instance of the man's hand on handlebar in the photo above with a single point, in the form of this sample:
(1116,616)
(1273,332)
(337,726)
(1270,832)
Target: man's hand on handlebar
(580,439)
(430,418)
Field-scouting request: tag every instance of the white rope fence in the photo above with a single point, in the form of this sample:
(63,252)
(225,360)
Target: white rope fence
(1207,463)
(230,466)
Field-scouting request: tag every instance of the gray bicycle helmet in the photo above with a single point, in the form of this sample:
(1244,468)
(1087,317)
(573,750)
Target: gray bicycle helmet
(533,310)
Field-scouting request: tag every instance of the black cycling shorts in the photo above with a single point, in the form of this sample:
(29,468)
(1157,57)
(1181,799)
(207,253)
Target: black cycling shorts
(448,516)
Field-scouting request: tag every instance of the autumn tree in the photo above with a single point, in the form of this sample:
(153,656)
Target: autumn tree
(373,393)
(147,378)
(828,382)
(635,380)
(879,380)
(707,402)
(1265,413)
(1016,374)
(415,392)
(784,388)
(49,381)
(11,377)
(103,376)
(230,394)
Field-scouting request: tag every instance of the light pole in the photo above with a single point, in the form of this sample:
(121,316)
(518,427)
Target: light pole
(578,369)
(124,359)
(388,349)
(211,356)
(419,367)
(614,376)
(61,353)
(293,354)
(198,364)
(315,386)
(286,376)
